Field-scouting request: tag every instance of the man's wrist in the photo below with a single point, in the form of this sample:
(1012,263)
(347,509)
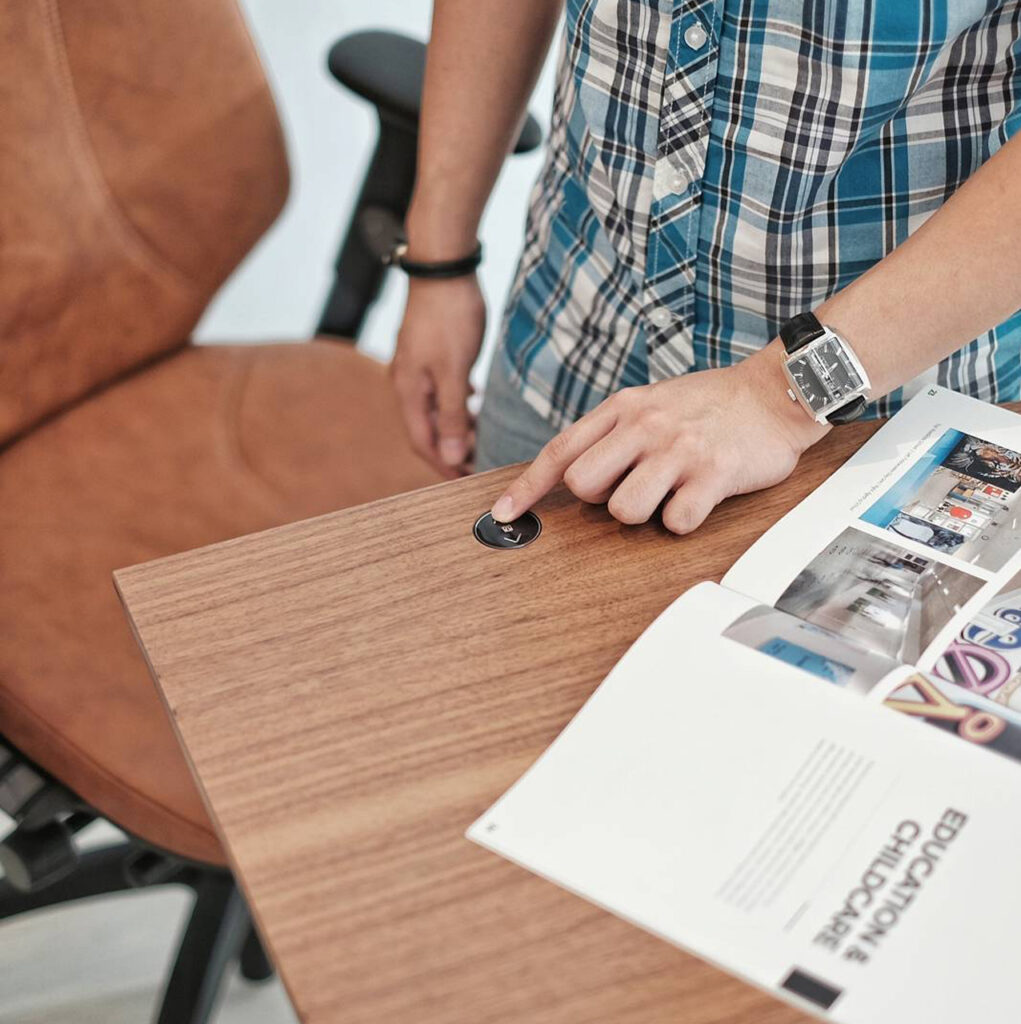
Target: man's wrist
(865,328)
(764,372)
(435,234)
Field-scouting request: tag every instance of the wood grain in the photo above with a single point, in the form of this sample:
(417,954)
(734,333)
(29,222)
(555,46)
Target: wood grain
(354,690)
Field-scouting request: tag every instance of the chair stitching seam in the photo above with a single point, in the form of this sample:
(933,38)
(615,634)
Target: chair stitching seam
(71,115)
(232,440)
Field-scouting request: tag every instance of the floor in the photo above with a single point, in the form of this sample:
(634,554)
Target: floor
(103,961)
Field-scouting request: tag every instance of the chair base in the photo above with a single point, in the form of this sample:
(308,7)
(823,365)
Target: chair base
(219,931)
(255,964)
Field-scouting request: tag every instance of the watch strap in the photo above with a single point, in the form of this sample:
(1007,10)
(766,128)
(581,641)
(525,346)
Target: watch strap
(851,411)
(799,331)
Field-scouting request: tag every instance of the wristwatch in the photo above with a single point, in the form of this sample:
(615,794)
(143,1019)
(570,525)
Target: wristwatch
(826,377)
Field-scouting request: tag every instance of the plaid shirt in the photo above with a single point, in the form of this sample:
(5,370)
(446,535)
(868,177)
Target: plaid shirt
(716,166)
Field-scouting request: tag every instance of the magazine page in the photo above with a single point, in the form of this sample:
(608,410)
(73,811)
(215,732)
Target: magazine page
(936,698)
(767,818)
(910,539)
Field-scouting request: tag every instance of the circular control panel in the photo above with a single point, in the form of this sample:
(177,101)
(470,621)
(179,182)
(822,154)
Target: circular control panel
(505,536)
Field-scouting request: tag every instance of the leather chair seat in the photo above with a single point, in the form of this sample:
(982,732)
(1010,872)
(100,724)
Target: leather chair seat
(208,443)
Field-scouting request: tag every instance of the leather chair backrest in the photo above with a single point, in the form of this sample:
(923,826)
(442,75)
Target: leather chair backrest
(140,159)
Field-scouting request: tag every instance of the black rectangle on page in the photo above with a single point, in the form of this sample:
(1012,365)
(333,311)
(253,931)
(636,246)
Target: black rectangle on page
(803,984)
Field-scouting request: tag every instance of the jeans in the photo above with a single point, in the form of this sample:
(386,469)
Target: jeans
(509,430)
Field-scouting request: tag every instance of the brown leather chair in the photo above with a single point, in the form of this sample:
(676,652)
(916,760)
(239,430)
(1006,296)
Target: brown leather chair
(140,160)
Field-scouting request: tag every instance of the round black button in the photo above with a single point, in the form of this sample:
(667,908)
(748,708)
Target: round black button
(522,531)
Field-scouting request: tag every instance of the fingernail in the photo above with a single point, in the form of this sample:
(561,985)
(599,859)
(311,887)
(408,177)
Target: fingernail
(452,450)
(502,510)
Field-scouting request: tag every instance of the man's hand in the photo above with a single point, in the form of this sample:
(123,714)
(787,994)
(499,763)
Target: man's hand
(697,439)
(438,342)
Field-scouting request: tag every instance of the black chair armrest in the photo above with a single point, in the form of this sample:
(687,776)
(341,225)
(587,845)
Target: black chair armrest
(387,69)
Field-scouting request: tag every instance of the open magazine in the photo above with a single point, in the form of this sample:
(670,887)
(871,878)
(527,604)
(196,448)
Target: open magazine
(809,774)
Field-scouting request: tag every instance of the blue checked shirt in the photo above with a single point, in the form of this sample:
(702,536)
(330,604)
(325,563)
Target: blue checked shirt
(716,166)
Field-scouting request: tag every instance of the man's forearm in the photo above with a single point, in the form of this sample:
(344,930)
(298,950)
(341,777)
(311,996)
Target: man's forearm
(483,60)
(954,278)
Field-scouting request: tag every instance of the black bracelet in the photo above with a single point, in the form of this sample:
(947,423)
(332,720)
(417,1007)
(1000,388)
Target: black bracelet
(440,269)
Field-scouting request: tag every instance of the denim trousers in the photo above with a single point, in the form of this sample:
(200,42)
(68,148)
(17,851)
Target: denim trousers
(508,430)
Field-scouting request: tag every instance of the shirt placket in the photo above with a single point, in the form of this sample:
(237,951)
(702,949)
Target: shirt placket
(682,148)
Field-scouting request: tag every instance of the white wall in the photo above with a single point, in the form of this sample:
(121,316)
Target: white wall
(278,291)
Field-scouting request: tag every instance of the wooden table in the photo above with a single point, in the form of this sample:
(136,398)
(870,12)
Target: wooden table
(354,690)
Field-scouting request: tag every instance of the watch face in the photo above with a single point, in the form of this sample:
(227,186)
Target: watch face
(809,384)
(824,374)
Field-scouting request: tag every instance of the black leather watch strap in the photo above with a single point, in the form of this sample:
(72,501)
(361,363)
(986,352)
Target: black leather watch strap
(799,331)
(849,412)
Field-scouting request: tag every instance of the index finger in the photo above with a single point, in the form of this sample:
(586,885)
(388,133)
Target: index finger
(549,466)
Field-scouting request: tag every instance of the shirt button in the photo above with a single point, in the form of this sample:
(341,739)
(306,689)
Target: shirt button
(678,181)
(661,317)
(695,36)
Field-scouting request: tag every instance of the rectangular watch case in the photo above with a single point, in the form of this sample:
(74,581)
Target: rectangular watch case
(825,375)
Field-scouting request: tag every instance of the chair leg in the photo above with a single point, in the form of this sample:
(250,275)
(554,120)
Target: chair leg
(212,940)
(255,963)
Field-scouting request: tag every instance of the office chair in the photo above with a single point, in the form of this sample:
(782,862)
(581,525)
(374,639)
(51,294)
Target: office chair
(142,159)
